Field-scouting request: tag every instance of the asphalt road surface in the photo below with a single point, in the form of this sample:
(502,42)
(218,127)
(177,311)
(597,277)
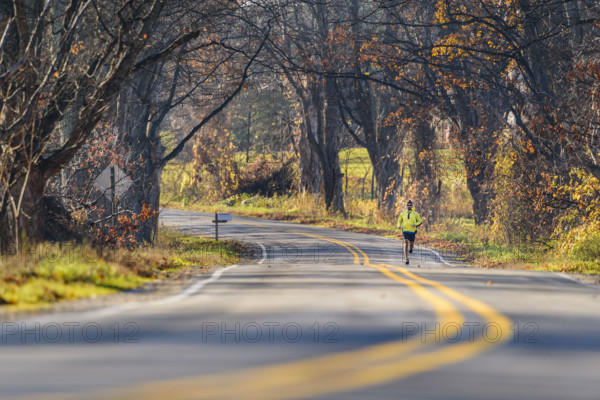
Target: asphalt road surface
(319,313)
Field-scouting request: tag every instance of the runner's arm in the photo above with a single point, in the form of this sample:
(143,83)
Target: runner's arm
(419,221)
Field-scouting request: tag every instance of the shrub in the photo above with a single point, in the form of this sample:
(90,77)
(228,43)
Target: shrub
(578,229)
(267,177)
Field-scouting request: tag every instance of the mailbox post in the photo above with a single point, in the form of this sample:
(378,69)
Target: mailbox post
(220,218)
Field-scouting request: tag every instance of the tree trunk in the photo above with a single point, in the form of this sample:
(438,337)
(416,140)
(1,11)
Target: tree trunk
(381,139)
(424,174)
(145,150)
(24,215)
(388,183)
(332,174)
(145,190)
(477,185)
(477,142)
(386,169)
(310,174)
(322,124)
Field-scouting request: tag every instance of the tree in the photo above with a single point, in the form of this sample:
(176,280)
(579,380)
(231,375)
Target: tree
(516,62)
(303,55)
(394,53)
(370,111)
(64,58)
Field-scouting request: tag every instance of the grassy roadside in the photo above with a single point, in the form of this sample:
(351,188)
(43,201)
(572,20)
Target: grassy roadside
(457,236)
(49,273)
(476,245)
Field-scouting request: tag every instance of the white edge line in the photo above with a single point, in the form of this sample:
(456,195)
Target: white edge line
(566,276)
(559,274)
(440,257)
(189,291)
(194,288)
(423,247)
(264,253)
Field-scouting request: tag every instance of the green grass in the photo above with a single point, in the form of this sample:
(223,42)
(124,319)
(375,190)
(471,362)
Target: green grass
(186,250)
(458,237)
(47,277)
(358,172)
(50,273)
(482,247)
(570,266)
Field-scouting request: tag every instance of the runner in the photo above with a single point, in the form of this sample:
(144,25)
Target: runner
(408,221)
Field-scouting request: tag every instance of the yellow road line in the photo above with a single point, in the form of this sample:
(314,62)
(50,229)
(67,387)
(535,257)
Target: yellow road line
(474,305)
(424,362)
(314,376)
(443,308)
(385,372)
(341,371)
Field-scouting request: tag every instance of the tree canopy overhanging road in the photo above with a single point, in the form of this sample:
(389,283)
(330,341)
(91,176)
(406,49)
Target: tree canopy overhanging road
(319,313)
(504,93)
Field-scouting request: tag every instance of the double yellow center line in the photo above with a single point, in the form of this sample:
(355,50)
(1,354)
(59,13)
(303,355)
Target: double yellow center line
(338,372)
(349,370)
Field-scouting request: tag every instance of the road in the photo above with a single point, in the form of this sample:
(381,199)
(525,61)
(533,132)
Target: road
(319,313)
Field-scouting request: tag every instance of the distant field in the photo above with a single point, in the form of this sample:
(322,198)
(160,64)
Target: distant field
(358,178)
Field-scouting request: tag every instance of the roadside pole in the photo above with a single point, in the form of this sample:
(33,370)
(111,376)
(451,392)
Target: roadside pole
(112,196)
(216,227)
(223,218)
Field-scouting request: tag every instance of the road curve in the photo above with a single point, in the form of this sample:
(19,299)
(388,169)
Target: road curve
(319,313)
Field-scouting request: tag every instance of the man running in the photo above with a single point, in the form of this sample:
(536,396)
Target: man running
(408,221)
